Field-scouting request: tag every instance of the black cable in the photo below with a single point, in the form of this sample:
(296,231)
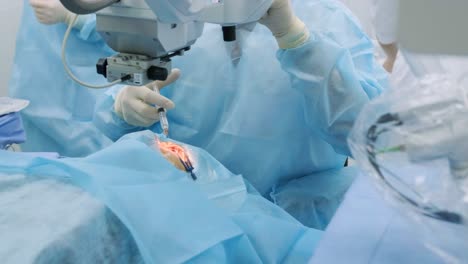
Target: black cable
(373,134)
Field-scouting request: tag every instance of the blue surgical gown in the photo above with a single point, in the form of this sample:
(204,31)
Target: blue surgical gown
(59,117)
(280,121)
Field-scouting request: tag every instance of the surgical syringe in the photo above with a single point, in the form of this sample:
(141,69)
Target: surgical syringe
(163,121)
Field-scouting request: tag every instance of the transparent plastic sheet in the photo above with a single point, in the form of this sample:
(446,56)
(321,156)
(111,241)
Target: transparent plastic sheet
(413,141)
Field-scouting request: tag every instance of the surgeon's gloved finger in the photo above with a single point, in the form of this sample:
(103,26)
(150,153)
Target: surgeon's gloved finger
(172,77)
(53,10)
(133,117)
(155,98)
(144,110)
(40,16)
(39,6)
(35,3)
(43,19)
(45,12)
(278,17)
(40,12)
(289,31)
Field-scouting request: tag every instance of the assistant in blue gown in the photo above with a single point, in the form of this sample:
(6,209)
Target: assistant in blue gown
(59,117)
(278,117)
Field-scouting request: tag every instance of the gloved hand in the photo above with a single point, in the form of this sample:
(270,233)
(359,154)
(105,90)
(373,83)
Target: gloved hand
(289,31)
(51,12)
(138,105)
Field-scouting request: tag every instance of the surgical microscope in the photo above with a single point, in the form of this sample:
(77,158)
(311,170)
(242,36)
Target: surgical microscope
(147,33)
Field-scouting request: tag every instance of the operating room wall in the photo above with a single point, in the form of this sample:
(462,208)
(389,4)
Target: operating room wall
(10,14)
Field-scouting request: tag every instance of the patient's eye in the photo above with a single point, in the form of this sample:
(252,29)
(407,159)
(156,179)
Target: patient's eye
(177,155)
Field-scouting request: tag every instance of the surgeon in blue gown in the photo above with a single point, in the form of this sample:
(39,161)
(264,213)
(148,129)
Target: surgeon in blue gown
(280,117)
(59,117)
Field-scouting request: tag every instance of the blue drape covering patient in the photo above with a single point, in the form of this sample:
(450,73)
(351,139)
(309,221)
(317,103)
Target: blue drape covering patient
(218,218)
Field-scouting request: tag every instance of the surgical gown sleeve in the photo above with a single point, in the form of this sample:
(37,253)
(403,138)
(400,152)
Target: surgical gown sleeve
(108,122)
(336,82)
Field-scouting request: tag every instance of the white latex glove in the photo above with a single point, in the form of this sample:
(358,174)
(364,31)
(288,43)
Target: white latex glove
(51,12)
(138,105)
(289,31)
